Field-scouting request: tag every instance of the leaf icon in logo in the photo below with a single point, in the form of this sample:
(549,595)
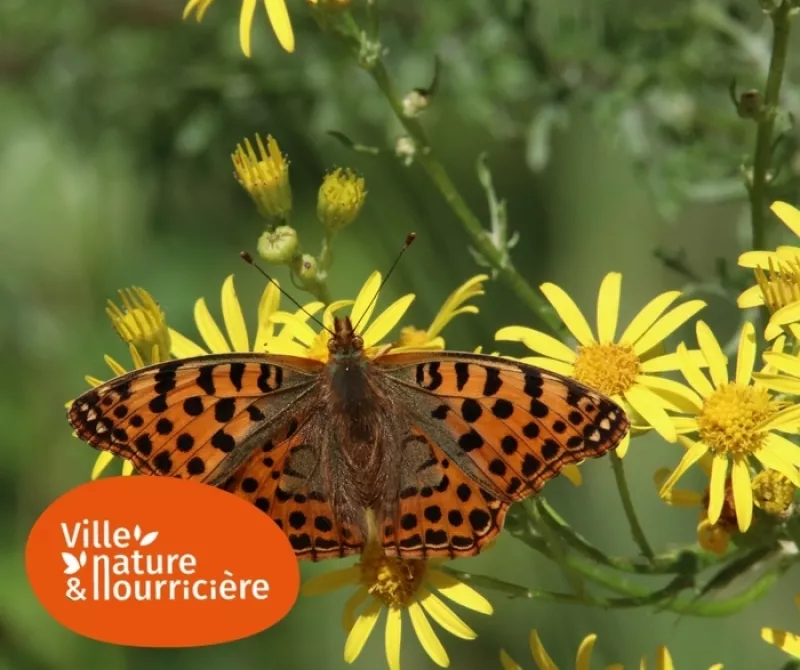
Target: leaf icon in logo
(73,564)
(149,538)
(137,532)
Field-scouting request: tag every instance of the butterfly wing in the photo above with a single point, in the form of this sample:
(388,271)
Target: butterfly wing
(196,418)
(497,431)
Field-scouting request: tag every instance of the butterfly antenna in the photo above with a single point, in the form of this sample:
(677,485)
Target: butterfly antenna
(409,239)
(249,259)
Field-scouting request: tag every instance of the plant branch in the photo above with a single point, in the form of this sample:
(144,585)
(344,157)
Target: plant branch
(627,504)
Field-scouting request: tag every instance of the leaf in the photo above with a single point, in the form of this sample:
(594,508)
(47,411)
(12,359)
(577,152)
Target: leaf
(137,532)
(350,144)
(148,539)
(72,563)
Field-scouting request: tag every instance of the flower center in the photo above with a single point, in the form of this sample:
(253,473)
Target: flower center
(779,286)
(609,368)
(772,492)
(730,417)
(412,337)
(394,581)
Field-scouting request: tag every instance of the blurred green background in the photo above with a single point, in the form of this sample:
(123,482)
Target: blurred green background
(608,130)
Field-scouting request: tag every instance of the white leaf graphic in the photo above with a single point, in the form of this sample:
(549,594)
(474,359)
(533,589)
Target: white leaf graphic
(82,558)
(149,539)
(72,563)
(137,532)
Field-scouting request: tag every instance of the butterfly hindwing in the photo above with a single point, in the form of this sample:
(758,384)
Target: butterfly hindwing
(516,424)
(194,418)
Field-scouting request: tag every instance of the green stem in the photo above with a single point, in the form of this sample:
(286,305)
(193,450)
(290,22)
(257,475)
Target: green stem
(512,590)
(627,505)
(766,124)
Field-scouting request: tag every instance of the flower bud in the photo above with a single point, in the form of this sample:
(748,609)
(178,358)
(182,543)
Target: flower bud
(415,102)
(340,199)
(141,323)
(265,177)
(308,268)
(279,245)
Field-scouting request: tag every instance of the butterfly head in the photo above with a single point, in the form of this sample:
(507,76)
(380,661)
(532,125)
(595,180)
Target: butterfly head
(345,342)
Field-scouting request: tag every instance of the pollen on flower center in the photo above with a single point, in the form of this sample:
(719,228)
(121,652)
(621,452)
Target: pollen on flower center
(391,580)
(773,492)
(412,337)
(730,416)
(609,368)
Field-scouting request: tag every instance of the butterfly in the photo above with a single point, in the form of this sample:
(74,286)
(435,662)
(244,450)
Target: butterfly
(422,451)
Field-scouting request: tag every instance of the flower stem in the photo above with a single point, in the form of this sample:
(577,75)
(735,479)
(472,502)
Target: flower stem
(630,512)
(763,150)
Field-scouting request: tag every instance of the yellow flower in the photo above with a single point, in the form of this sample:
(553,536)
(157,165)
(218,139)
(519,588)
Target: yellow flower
(340,199)
(736,422)
(788,642)
(140,323)
(712,537)
(265,176)
(415,338)
(621,368)
(276,12)
(305,341)
(266,339)
(583,658)
(773,492)
(398,586)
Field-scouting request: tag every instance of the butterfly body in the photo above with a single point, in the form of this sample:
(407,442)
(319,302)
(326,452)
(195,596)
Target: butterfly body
(431,447)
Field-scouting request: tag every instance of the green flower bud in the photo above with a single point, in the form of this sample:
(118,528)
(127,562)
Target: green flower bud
(279,245)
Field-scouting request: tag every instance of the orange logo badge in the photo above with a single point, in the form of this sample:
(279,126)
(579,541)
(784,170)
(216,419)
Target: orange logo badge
(160,562)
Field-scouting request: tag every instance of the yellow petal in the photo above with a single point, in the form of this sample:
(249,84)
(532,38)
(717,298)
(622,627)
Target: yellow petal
(540,656)
(716,489)
(670,362)
(584,657)
(787,314)
(507,662)
(559,367)
(751,297)
(116,368)
(742,494)
(692,455)
(281,24)
(189,7)
(387,320)
(786,421)
(573,473)
(675,396)
(648,316)
(566,308)
(649,406)
(295,327)
(182,347)
(267,306)
(780,383)
(608,307)
(685,424)
(209,330)
(663,659)
(233,317)
(788,642)
(127,468)
(458,591)
(676,497)
(537,341)
(785,363)
(352,605)
(330,581)
(427,637)
(101,463)
(622,449)
(783,449)
(91,381)
(757,259)
(360,632)
(788,214)
(692,373)
(746,357)
(667,325)
(773,461)
(365,301)
(717,361)
(246,25)
(394,629)
(444,616)
(136,357)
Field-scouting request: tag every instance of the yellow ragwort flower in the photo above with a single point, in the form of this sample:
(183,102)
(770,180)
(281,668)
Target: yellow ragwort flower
(773,492)
(277,14)
(583,658)
(622,368)
(736,423)
(266,339)
(788,642)
(777,276)
(397,586)
(340,199)
(265,176)
(415,338)
(140,323)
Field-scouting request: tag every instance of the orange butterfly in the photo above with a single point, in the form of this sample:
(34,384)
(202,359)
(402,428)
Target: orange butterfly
(436,444)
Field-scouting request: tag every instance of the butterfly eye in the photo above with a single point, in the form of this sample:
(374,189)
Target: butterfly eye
(358,343)
(332,345)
